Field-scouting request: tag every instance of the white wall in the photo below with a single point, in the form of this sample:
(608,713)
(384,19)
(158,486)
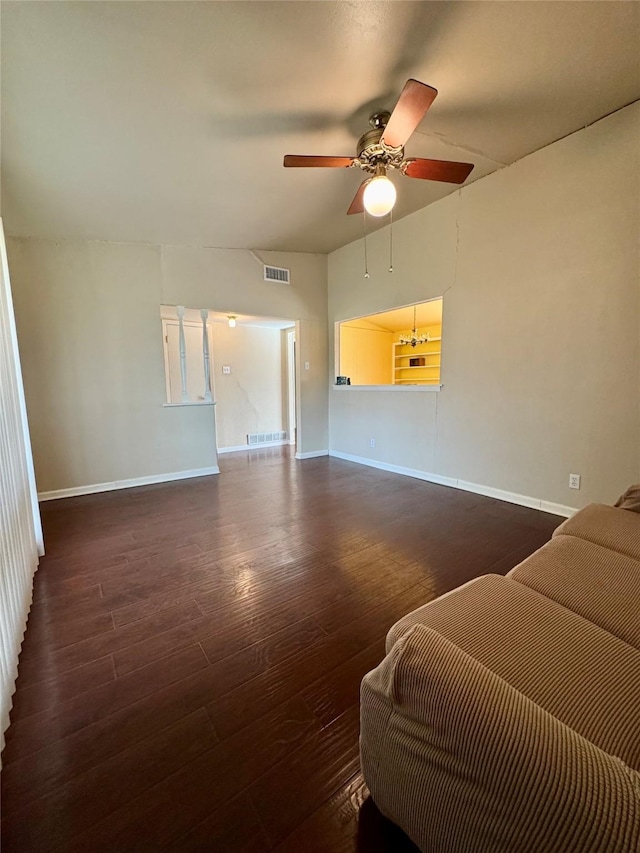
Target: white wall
(539,267)
(88,317)
(250,398)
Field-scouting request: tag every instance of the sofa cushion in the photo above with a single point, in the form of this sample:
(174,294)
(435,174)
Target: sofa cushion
(630,499)
(584,676)
(420,615)
(463,762)
(601,585)
(607,526)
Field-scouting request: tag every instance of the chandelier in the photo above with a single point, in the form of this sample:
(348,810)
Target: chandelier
(414,338)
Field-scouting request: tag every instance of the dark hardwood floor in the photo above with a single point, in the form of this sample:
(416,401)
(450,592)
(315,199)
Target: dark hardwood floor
(190,674)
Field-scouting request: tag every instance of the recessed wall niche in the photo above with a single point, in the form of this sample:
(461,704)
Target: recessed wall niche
(401,347)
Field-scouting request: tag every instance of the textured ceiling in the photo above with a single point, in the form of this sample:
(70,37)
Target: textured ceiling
(192,315)
(167,122)
(399,319)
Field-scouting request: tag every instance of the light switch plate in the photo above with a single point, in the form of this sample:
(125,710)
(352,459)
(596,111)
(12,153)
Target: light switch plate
(226,368)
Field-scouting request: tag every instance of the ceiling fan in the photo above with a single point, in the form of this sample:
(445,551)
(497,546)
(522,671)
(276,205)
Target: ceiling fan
(382,148)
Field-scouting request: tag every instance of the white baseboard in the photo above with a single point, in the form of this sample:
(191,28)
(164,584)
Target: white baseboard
(487,491)
(126,484)
(237,448)
(557,509)
(395,469)
(499,494)
(438,479)
(313,454)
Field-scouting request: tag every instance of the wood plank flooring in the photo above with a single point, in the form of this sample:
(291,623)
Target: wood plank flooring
(190,674)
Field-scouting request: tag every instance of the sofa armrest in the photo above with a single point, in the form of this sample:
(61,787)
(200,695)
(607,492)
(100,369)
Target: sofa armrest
(462,761)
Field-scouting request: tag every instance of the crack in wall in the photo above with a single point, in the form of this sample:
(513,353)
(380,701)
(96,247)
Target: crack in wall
(256,414)
(457,249)
(436,438)
(441,137)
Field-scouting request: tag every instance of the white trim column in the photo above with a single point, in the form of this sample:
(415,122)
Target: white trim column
(183,353)
(204,313)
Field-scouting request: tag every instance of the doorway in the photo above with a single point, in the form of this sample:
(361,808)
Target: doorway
(254,381)
(291,384)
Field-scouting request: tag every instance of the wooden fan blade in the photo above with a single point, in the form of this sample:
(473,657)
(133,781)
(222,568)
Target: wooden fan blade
(414,101)
(357,205)
(438,170)
(328,162)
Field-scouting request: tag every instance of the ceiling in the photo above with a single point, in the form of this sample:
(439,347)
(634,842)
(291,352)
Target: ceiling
(192,315)
(402,319)
(167,122)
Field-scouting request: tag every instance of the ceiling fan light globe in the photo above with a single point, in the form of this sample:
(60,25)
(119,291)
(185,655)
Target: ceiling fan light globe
(379,196)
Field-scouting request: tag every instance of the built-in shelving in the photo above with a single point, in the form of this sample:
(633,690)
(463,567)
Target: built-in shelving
(409,355)
(416,374)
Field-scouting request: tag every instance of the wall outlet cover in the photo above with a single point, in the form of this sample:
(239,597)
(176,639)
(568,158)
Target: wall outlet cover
(574,481)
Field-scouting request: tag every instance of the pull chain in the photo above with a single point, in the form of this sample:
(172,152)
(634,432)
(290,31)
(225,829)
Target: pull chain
(364,227)
(391,240)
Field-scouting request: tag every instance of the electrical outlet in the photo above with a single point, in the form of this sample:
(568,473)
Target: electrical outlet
(306,365)
(372,442)
(574,481)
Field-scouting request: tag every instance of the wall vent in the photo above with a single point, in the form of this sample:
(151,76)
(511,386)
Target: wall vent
(279,274)
(256,438)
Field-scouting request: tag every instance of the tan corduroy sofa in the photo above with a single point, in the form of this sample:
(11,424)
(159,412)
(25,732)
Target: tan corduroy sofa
(506,714)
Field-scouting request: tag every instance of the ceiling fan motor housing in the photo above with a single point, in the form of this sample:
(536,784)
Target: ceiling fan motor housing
(372,153)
